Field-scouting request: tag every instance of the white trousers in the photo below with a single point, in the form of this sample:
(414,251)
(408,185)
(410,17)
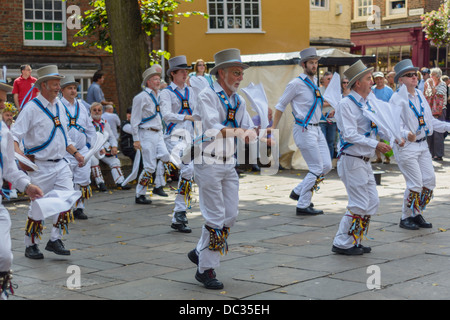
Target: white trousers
(81,175)
(6,255)
(114,164)
(51,176)
(219,199)
(186,171)
(357,176)
(315,151)
(415,163)
(153,148)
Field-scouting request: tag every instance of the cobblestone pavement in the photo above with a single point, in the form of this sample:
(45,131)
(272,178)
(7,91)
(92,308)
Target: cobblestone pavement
(129,251)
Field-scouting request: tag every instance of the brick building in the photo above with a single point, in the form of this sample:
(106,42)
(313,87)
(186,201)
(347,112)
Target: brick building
(394,34)
(41,32)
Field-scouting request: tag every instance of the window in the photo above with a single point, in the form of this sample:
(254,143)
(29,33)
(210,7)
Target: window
(363,8)
(234,15)
(319,4)
(395,7)
(44,22)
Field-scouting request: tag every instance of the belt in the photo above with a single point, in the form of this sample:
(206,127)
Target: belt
(213,156)
(313,124)
(366,159)
(54,160)
(420,140)
(152,129)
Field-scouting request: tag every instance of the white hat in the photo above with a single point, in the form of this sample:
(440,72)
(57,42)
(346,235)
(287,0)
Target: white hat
(47,73)
(227,58)
(378,74)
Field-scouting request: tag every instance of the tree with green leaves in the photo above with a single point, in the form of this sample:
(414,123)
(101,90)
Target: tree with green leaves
(127,29)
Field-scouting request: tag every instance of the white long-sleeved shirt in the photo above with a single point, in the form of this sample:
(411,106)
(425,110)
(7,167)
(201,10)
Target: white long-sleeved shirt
(33,126)
(213,115)
(301,98)
(9,170)
(353,126)
(79,138)
(171,105)
(144,107)
(409,121)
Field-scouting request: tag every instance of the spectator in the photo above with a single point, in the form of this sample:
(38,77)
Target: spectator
(201,70)
(344,87)
(328,122)
(435,91)
(22,87)
(425,76)
(95,92)
(113,119)
(390,80)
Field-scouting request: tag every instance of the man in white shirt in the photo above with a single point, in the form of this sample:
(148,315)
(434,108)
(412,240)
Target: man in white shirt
(146,126)
(414,159)
(108,154)
(356,146)
(82,134)
(178,102)
(9,172)
(223,117)
(42,126)
(306,101)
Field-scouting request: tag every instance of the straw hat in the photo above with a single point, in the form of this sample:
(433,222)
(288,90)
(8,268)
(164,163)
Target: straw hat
(403,67)
(356,72)
(67,81)
(177,63)
(227,58)
(46,73)
(308,54)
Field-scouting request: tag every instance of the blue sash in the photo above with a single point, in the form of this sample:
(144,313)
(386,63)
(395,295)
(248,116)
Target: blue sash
(56,125)
(317,98)
(231,111)
(420,116)
(158,111)
(73,120)
(373,127)
(185,108)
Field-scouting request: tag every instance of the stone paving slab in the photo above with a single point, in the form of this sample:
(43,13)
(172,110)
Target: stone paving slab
(127,251)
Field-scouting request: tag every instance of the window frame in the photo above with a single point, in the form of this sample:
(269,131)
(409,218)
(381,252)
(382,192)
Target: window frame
(43,42)
(326,6)
(396,15)
(358,18)
(226,29)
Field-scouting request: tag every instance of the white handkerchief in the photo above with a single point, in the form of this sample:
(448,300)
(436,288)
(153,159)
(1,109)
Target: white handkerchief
(54,202)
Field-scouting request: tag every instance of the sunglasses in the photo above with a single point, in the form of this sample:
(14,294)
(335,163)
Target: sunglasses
(410,75)
(345,82)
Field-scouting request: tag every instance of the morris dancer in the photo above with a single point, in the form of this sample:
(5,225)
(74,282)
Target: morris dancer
(82,133)
(306,101)
(356,146)
(9,172)
(146,124)
(414,160)
(224,117)
(177,105)
(109,151)
(42,126)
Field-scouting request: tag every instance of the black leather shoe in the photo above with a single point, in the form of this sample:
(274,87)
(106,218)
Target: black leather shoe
(142,200)
(79,214)
(309,211)
(353,251)
(420,221)
(365,249)
(33,252)
(294,196)
(57,247)
(193,256)
(208,278)
(180,216)
(160,192)
(255,168)
(181,227)
(102,187)
(409,224)
(121,187)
